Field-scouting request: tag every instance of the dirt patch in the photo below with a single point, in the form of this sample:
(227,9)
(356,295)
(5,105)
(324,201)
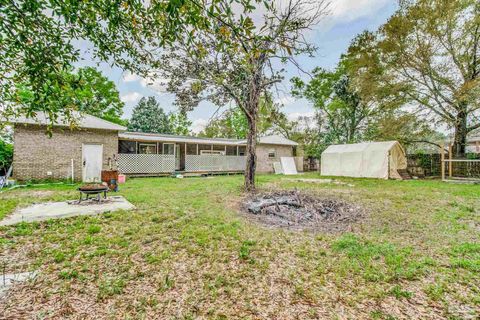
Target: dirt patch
(301,211)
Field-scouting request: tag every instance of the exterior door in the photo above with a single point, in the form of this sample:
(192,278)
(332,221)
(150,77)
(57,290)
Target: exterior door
(177,157)
(92,157)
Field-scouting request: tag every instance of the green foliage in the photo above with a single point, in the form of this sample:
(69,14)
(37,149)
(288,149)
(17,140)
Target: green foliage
(233,123)
(37,40)
(425,56)
(6,153)
(98,95)
(149,117)
(341,114)
(179,123)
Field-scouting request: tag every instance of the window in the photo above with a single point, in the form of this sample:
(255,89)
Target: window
(272,153)
(212,152)
(147,148)
(169,148)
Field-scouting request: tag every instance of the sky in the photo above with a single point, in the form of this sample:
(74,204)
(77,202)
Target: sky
(346,19)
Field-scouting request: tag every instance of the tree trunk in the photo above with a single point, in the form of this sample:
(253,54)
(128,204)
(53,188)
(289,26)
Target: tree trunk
(251,153)
(460,138)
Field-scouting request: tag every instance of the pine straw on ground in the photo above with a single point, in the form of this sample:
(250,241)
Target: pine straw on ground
(186,254)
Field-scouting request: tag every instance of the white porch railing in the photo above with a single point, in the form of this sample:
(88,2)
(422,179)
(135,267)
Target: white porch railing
(145,163)
(212,163)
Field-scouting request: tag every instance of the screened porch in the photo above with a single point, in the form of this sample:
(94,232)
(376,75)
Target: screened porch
(163,157)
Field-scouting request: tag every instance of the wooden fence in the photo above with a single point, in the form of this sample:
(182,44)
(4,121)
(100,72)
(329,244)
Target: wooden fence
(430,165)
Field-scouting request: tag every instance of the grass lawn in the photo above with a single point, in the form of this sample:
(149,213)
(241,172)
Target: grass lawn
(186,253)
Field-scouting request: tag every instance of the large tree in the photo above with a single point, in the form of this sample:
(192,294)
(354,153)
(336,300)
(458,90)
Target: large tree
(37,44)
(341,113)
(232,59)
(149,117)
(233,123)
(98,96)
(428,54)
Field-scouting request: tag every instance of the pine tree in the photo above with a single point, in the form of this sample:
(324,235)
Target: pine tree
(148,116)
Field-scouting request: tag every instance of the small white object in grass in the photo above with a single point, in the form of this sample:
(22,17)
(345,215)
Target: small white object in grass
(277,167)
(179,176)
(9,279)
(288,165)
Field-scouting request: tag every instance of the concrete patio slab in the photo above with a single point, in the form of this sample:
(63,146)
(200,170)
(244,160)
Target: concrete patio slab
(56,210)
(9,280)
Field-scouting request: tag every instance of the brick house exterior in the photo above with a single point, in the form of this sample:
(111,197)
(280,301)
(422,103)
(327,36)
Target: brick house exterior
(266,158)
(37,156)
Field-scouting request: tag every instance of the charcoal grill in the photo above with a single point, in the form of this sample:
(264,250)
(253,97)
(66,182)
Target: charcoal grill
(92,190)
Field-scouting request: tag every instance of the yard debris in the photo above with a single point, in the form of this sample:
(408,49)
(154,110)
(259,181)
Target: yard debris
(321,181)
(296,210)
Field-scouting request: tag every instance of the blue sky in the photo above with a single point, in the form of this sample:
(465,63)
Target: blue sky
(347,18)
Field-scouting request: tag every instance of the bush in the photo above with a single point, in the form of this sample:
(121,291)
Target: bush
(6,156)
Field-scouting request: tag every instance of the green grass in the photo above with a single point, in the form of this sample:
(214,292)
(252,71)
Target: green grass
(185,252)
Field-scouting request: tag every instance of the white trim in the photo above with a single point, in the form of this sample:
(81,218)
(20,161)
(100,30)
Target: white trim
(212,152)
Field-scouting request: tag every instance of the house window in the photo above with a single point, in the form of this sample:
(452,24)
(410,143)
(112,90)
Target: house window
(272,153)
(169,148)
(147,148)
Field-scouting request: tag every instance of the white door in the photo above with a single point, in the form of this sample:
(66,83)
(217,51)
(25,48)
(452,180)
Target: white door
(92,155)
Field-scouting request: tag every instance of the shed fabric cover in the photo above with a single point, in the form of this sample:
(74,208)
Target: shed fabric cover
(368,160)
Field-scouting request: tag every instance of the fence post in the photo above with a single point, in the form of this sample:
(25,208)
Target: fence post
(442,160)
(450,163)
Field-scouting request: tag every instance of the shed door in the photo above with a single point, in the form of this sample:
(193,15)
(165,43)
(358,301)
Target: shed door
(92,155)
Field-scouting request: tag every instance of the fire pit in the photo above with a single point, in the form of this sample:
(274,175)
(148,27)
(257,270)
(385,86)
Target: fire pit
(301,211)
(93,189)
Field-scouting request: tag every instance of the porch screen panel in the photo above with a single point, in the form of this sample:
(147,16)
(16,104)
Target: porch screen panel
(242,150)
(191,149)
(204,147)
(125,146)
(231,150)
(218,147)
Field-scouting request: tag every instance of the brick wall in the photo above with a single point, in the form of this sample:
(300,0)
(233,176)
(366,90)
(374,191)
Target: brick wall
(35,153)
(264,163)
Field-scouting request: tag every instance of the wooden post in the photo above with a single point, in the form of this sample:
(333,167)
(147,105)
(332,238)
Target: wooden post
(197,149)
(442,160)
(450,163)
(477,146)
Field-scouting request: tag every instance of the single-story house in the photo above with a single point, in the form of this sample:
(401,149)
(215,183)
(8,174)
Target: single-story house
(95,145)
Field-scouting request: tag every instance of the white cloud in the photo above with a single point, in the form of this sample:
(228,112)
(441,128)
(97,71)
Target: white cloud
(155,83)
(199,124)
(130,77)
(349,10)
(293,116)
(131,97)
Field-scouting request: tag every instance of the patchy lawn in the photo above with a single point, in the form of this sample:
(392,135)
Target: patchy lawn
(186,253)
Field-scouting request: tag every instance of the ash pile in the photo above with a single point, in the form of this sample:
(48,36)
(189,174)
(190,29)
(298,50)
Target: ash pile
(296,210)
